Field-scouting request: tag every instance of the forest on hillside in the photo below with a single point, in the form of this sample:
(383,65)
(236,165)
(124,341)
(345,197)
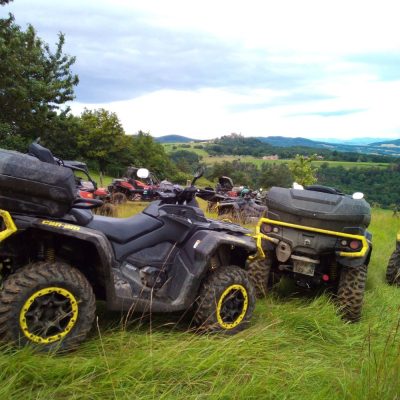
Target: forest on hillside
(380,186)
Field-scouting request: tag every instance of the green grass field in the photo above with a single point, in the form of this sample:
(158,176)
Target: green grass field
(296,348)
(209,160)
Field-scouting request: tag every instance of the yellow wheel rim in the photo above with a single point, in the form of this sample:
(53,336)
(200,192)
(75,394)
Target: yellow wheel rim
(232,306)
(48,315)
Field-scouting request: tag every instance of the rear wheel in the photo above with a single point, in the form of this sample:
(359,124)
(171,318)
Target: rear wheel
(226,301)
(393,269)
(136,197)
(259,273)
(350,294)
(48,305)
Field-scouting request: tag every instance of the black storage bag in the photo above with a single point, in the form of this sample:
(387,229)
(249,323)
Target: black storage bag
(30,186)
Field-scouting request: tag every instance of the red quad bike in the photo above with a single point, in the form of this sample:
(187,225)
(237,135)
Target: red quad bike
(57,258)
(123,186)
(87,188)
(148,183)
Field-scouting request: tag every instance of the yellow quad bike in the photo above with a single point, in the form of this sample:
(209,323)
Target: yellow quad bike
(317,237)
(57,258)
(393,268)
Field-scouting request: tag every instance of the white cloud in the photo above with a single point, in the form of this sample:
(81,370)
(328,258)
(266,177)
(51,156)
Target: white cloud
(296,68)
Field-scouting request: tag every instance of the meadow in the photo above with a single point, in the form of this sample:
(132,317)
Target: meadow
(296,347)
(209,160)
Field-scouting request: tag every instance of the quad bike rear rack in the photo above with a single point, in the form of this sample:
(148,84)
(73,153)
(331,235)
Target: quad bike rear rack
(9,225)
(258,236)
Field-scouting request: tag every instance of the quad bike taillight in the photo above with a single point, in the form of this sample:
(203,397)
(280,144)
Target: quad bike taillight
(352,244)
(355,245)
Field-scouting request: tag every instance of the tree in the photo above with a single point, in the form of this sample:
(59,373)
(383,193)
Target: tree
(34,83)
(302,169)
(4,2)
(185,160)
(102,138)
(145,152)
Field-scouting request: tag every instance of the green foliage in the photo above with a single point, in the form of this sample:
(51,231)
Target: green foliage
(246,174)
(275,175)
(101,138)
(303,172)
(235,144)
(34,83)
(146,152)
(380,186)
(185,160)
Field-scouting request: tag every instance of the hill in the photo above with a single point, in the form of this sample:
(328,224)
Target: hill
(174,139)
(275,143)
(280,141)
(387,143)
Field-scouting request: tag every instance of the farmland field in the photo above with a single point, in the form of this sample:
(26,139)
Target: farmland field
(209,160)
(297,347)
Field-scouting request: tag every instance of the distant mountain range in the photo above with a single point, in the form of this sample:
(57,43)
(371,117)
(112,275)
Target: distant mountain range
(356,142)
(388,147)
(174,139)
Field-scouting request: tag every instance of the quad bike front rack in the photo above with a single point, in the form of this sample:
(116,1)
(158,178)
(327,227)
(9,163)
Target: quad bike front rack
(10,227)
(259,236)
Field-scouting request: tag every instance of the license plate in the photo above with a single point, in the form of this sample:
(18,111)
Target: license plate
(304,268)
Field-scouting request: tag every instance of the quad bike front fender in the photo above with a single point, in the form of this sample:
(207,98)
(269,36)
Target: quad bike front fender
(191,265)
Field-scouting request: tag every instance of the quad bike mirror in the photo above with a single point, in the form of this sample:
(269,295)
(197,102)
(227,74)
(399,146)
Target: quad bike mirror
(297,186)
(358,196)
(198,174)
(143,173)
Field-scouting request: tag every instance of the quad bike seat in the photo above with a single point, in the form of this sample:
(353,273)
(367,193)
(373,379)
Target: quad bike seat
(123,230)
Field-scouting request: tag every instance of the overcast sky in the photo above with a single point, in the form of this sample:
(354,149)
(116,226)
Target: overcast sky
(208,68)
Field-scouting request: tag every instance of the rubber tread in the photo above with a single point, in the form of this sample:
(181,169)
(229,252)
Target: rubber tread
(24,282)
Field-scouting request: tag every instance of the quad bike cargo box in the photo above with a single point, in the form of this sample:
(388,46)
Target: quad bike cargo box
(30,186)
(328,211)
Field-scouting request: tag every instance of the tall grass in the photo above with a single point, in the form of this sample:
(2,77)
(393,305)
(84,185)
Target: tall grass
(296,348)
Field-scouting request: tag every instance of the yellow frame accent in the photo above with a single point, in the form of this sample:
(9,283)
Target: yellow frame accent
(9,223)
(259,236)
(240,318)
(51,339)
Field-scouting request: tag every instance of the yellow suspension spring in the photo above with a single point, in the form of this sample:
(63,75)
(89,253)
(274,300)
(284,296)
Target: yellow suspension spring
(333,271)
(50,254)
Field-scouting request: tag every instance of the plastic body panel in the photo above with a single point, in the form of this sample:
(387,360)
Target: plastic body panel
(320,210)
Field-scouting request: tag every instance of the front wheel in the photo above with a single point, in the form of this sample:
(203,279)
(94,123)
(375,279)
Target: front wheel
(350,294)
(226,301)
(48,305)
(393,269)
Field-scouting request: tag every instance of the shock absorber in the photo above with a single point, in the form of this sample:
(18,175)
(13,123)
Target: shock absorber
(50,254)
(333,271)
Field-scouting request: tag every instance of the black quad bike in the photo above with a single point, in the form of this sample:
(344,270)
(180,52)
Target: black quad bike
(393,267)
(57,259)
(244,209)
(318,237)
